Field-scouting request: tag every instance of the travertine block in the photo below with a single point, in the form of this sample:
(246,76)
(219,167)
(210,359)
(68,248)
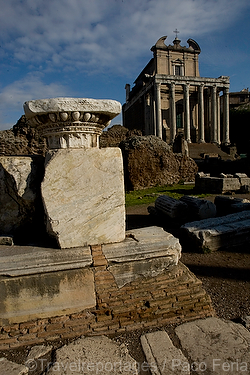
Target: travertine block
(83,194)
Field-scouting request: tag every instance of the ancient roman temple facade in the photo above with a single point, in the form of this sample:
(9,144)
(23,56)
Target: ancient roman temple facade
(170,97)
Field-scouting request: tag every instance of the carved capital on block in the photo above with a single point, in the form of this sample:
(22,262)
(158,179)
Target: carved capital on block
(71,122)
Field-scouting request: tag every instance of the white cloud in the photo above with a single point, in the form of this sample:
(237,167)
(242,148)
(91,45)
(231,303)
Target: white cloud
(97,36)
(15,94)
(104,33)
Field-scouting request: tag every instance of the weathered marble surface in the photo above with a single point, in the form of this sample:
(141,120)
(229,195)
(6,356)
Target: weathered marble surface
(27,260)
(29,297)
(41,106)
(223,346)
(71,122)
(20,178)
(216,233)
(83,194)
(96,355)
(145,252)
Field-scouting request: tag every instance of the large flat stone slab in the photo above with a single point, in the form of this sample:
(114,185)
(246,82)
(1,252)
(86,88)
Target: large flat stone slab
(83,194)
(97,355)
(162,356)
(29,297)
(216,346)
(216,233)
(145,252)
(27,260)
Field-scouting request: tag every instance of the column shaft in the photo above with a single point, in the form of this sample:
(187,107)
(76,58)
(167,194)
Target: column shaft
(214,115)
(201,114)
(187,113)
(158,110)
(218,118)
(173,113)
(226,116)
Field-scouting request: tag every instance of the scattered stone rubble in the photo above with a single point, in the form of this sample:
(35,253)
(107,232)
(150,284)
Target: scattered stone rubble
(222,184)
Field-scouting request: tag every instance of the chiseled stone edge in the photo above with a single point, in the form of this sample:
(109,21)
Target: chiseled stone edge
(43,106)
(19,261)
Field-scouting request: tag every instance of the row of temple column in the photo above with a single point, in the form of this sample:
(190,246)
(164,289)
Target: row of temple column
(215,113)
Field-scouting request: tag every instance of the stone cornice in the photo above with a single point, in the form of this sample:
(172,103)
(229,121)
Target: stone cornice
(71,122)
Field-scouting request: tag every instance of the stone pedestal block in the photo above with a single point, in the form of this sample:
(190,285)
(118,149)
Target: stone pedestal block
(83,195)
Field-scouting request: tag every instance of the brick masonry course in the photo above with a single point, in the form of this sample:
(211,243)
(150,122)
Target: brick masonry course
(175,295)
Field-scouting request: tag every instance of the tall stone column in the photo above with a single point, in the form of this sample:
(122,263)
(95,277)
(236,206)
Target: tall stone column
(226,139)
(201,113)
(173,112)
(214,116)
(158,109)
(83,187)
(187,113)
(218,119)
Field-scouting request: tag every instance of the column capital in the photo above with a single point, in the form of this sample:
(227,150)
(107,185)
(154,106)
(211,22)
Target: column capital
(71,122)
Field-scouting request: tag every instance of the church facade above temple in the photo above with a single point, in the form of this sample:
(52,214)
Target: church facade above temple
(169,97)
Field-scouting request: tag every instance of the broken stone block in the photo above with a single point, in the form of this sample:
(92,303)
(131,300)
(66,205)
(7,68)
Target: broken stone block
(173,208)
(227,205)
(217,233)
(217,185)
(83,195)
(12,368)
(6,240)
(199,209)
(20,199)
(145,252)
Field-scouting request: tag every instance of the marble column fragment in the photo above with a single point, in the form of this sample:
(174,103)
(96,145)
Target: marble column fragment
(83,186)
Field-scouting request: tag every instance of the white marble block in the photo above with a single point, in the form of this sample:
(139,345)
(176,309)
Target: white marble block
(83,195)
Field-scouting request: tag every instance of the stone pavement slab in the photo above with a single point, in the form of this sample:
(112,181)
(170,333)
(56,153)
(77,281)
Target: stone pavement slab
(11,368)
(215,346)
(162,356)
(94,355)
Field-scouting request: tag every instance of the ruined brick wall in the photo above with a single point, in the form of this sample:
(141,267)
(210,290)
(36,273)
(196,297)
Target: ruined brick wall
(173,296)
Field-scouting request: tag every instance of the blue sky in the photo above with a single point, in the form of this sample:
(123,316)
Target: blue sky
(91,49)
